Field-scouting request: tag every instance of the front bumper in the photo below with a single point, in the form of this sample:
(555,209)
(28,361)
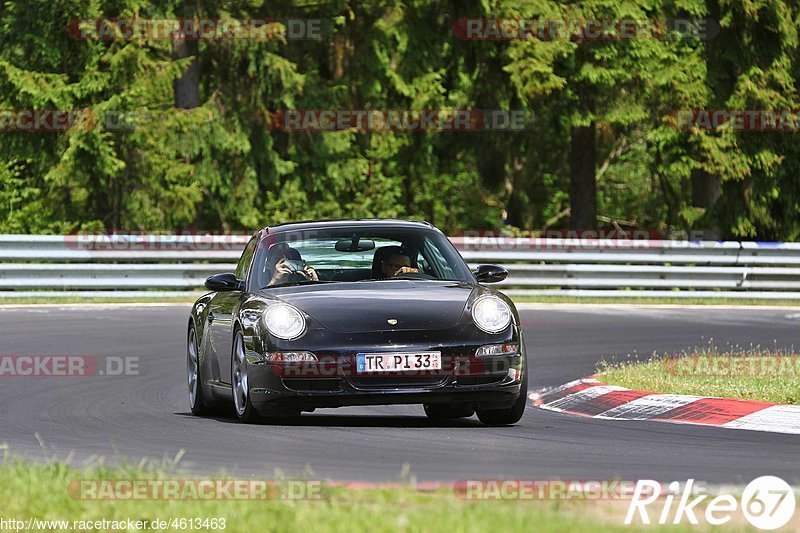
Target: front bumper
(489,383)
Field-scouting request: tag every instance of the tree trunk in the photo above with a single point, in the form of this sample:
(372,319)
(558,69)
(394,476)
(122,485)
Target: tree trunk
(187,87)
(187,91)
(706,190)
(582,185)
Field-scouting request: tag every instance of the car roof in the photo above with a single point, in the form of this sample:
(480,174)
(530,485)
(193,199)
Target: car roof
(349,222)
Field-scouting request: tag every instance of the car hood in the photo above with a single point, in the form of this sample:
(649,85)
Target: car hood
(368,306)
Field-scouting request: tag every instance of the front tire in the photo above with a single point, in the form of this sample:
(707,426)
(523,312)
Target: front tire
(240,384)
(510,415)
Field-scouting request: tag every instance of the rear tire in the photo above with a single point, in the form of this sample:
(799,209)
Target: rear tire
(510,415)
(444,411)
(198,403)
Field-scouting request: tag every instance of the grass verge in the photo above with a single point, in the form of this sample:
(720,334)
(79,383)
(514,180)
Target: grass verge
(41,491)
(754,373)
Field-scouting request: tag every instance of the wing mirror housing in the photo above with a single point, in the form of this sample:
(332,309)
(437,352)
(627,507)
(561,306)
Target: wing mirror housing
(224,282)
(490,273)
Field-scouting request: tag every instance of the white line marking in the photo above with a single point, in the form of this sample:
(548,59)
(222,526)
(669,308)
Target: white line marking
(552,390)
(564,404)
(778,419)
(774,419)
(649,406)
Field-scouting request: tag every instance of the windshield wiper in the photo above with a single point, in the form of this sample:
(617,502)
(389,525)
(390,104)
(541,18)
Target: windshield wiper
(303,282)
(401,277)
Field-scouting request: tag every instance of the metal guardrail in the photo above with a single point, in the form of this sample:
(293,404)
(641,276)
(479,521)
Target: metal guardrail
(161,265)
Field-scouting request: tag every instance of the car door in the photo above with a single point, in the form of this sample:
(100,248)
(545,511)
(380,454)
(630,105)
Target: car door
(222,310)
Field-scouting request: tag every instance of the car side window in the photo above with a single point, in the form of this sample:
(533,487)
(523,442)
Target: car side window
(247,257)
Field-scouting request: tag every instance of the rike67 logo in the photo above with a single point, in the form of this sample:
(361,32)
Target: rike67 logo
(767,502)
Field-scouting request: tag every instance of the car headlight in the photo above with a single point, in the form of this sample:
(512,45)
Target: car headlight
(491,314)
(284,321)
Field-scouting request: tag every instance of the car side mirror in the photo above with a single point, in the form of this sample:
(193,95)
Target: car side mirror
(490,273)
(224,282)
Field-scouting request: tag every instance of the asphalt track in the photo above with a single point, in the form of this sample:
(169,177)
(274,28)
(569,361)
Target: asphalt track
(146,416)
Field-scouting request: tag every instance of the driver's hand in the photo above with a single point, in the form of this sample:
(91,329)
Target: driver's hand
(282,272)
(310,273)
(283,268)
(406,270)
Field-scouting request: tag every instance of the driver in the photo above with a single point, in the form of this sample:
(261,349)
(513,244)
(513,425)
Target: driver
(396,264)
(285,265)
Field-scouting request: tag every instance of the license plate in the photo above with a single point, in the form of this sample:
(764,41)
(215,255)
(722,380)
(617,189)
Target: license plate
(394,362)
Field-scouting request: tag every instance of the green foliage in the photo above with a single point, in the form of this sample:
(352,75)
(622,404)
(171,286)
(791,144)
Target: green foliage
(64,495)
(221,165)
(750,373)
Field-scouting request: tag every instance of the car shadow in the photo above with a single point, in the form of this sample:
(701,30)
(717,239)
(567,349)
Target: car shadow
(354,421)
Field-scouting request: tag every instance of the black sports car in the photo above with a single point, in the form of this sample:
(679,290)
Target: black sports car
(356,312)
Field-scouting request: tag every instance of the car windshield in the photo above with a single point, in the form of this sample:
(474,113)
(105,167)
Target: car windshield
(356,254)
